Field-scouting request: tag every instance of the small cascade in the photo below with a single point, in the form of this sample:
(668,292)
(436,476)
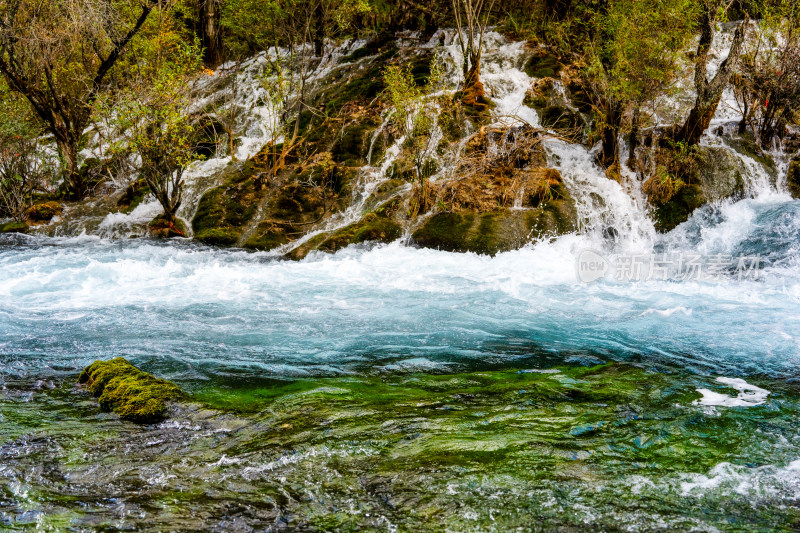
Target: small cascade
(605,209)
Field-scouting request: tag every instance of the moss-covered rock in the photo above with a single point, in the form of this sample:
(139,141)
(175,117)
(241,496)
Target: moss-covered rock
(162,228)
(496,231)
(721,173)
(132,394)
(374,227)
(223,211)
(543,64)
(219,236)
(13,227)
(793,178)
(687,178)
(42,212)
(133,195)
(678,208)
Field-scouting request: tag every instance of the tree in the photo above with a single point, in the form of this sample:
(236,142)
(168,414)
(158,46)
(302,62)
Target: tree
(26,169)
(768,89)
(59,54)
(210,15)
(632,60)
(415,117)
(709,92)
(153,119)
(472,16)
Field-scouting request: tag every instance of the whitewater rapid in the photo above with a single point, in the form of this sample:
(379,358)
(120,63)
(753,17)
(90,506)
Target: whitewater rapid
(196,311)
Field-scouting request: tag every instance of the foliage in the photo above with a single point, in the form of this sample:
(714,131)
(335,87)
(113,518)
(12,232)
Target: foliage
(58,55)
(415,115)
(153,120)
(768,88)
(25,166)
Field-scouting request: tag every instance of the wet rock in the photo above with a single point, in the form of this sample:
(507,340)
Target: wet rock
(721,173)
(374,227)
(42,212)
(793,178)
(13,227)
(544,63)
(687,178)
(132,394)
(555,111)
(163,228)
(496,231)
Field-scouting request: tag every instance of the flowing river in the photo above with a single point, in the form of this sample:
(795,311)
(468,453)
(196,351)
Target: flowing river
(396,388)
(612,379)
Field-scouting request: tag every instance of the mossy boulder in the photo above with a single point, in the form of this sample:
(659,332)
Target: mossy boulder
(374,227)
(224,210)
(793,178)
(14,227)
(132,394)
(133,195)
(219,236)
(543,64)
(678,208)
(686,179)
(163,228)
(43,212)
(721,173)
(496,231)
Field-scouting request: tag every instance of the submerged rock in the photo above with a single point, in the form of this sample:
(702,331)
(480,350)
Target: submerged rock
(124,389)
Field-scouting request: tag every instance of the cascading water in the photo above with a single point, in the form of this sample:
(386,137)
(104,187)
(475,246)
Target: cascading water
(393,387)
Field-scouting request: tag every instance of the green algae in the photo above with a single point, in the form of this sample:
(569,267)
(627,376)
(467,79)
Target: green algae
(571,447)
(132,394)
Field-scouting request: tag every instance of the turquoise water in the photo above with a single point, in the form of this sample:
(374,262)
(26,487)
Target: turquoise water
(397,388)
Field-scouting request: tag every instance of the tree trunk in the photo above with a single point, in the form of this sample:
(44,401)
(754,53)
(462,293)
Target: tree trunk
(210,13)
(709,93)
(73,180)
(609,154)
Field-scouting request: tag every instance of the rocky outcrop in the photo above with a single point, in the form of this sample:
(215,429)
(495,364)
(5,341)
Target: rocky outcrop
(495,231)
(687,178)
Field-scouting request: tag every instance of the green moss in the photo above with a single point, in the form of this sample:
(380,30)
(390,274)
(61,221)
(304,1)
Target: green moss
(496,231)
(13,227)
(679,208)
(223,211)
(43,212)
(124,389)
(219,236)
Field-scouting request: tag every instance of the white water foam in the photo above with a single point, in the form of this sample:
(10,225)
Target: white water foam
(749,395)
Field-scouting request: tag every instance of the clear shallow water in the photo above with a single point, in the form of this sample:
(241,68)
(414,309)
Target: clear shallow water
(382,388)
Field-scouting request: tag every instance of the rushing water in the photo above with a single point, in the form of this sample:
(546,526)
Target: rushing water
(393,388)
(397,387)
